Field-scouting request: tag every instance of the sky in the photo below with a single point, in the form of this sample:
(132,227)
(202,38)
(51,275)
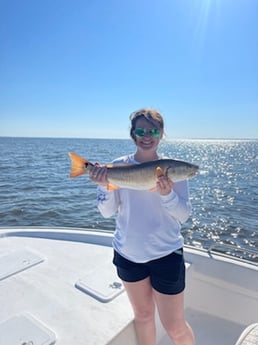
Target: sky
(78,68)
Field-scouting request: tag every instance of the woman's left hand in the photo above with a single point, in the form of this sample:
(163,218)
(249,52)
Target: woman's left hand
(164,185)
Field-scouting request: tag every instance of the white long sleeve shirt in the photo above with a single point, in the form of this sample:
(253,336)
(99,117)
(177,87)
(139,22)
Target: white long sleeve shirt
(148,225)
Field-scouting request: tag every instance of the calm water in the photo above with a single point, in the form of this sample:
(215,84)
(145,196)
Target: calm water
(35,189)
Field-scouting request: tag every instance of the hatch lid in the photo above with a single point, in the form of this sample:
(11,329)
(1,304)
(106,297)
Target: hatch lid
(24,329)
(17,261)
(102,283)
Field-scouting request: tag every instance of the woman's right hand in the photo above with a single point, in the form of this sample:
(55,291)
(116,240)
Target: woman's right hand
(98,175)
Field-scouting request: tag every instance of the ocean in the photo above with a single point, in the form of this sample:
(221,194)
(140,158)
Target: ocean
(35,188)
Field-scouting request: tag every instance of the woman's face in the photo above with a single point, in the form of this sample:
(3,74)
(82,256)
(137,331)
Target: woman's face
(147,135)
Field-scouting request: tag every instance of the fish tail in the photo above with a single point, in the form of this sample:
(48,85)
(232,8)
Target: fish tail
(78,165)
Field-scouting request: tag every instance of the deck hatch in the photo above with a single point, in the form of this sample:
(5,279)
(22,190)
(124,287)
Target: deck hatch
(102,283)
(17,261)
(23,329)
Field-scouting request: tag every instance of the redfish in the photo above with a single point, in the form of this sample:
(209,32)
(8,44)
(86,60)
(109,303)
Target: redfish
(141,176)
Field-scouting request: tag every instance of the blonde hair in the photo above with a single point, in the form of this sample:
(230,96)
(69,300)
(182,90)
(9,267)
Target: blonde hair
(151,115)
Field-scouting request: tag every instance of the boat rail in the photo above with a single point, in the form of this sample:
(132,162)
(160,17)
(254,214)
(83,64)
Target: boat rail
(246,254)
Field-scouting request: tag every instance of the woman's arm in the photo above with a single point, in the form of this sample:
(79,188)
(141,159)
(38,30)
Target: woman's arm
(107,201)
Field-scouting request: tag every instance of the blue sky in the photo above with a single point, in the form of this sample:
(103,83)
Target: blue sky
(79,68)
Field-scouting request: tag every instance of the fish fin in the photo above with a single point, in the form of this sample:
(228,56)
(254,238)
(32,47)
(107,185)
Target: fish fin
(159,172)
(78,165)
(112,187)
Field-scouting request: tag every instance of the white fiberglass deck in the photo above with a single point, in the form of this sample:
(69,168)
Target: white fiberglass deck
(46,291)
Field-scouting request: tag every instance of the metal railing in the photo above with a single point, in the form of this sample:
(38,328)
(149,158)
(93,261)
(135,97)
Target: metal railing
(246,254)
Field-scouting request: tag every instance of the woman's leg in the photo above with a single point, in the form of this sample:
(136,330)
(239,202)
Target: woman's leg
(141,297)
(171,312)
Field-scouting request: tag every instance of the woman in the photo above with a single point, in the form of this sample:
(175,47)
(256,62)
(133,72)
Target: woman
(148,245)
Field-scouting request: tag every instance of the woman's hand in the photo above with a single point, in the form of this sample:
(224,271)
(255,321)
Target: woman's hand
(98,175)
(164,185)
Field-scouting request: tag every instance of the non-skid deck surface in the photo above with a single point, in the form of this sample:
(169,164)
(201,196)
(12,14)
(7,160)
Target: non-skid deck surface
(210,330)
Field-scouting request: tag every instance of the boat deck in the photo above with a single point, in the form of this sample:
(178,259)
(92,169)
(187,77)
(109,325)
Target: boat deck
(210,330)
(62,286)
(47,290)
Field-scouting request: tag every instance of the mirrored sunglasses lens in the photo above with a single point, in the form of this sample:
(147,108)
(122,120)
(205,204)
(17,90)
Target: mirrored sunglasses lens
(154,132)
(139,132)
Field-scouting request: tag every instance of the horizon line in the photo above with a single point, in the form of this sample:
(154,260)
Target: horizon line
(122,138)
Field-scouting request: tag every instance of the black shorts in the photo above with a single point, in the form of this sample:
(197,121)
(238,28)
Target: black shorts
(167,274)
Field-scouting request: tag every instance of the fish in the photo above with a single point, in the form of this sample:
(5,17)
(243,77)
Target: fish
(142,176)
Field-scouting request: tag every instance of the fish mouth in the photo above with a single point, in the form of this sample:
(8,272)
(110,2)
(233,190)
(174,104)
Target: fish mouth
(192,174)
(194,171)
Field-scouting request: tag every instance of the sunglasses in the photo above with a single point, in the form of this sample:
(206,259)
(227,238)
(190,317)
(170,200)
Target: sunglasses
(141,132)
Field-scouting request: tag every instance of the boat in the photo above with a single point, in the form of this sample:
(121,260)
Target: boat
(59,286)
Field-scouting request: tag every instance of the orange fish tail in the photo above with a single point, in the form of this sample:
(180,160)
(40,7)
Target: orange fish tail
(78,165)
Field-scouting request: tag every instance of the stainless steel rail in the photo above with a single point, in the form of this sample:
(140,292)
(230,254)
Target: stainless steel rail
(214,248)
